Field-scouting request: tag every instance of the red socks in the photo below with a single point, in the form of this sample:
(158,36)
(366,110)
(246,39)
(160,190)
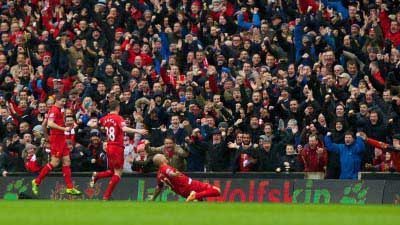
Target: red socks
(43,173)
(211,192)
(66,170)
(111,185)
(101,175)
(46,169)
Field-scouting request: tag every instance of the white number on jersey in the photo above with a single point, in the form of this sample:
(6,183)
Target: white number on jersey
(110,133)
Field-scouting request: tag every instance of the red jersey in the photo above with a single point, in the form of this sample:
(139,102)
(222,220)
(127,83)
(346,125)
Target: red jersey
(244,163)
(57,116)
(113,124)
(177,183)
(70,136)
(31,164)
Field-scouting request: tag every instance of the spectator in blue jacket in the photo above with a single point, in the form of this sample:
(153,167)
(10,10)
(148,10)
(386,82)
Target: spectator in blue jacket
(255,21)
(350,154)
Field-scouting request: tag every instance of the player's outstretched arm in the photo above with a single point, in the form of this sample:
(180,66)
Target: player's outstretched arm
(132,130)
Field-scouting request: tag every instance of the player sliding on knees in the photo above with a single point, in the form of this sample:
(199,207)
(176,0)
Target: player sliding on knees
(180,183)
(115,127)
(58,147)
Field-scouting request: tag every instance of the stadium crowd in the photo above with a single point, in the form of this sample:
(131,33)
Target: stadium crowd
(220,85)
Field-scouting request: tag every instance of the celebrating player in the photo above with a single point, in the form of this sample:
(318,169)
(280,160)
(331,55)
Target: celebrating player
(180,183)
(115,127)
(58,147)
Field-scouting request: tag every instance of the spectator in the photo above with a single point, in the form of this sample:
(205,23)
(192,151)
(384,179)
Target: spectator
(142,162)
(95,157)
(350,154)
(37,135)
(392,149)
(176,130)
(333,166)
(32,162)
(129,154)
(314,156)
(197,148)
(4,162)
(243,159)
(382,162)
(267,154)
(218,154)
(14,151)
(375,128)
(78,157)
(174,153)
(289,162)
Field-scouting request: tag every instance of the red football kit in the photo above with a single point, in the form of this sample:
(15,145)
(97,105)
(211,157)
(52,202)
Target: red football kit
(58,147)
(58,144)
(183,184)
(113,124)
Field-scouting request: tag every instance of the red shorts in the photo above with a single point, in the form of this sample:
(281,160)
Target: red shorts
(58,146)
(115,157)
(196,186)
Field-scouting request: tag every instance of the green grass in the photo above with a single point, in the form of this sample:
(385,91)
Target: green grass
(124,212)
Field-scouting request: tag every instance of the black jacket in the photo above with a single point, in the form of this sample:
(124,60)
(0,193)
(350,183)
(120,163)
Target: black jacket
(197,155)
(218,157)
(294,164)
(267,161)
(4,162)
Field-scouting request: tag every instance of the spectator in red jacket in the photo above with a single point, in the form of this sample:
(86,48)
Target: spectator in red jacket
(32,163)
(394,149)
(390,28)
(314,156)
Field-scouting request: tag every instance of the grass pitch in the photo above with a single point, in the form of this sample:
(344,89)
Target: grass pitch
(125,212)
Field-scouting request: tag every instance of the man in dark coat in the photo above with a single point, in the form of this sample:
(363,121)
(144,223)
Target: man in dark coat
(218,153)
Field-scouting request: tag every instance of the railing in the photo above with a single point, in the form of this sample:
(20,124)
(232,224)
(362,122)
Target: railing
(374,188)
(259,175)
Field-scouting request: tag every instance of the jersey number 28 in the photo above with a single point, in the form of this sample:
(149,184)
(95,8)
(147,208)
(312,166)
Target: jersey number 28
(110,133)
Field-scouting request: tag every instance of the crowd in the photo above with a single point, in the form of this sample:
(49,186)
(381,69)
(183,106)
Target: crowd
(220,85)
